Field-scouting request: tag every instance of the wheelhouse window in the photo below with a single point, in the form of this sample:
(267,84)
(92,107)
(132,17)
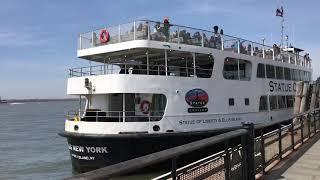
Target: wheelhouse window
(261,72)
(237,69)
(270,71)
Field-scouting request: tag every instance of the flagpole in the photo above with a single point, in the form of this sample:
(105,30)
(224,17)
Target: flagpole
(282,22)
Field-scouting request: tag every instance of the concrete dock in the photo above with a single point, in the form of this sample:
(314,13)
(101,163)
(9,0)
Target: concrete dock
(303,164)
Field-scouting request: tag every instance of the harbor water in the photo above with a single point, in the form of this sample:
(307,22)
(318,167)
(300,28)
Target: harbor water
(30,145)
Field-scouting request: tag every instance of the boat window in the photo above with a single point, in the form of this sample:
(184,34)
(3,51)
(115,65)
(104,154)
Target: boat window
(237,69)
(305,76)
(282,102)
(244,70)
(129,107)
(142,107)
(246,101)
(204,65)
(263,105)
(301,75)
(290,101)
(261,72)
(287,74)
(296,75)
(181,64)
(308,76)
(279,72)
(293,77)
(230,69)
(270,71)
(273,102)
(231,102)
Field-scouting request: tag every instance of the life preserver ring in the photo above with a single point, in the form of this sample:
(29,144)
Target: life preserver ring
(145,106)
(104,36)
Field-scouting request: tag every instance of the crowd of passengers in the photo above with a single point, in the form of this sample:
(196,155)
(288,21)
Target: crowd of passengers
(161,32)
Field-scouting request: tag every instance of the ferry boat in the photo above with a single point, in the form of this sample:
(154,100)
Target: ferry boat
(158,85)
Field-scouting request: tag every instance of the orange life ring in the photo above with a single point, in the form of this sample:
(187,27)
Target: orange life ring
(145,106)
(104,36)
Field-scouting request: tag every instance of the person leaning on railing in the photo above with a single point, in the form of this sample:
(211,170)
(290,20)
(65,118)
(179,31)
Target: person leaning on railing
(215,40)
(276,51)
(166,28)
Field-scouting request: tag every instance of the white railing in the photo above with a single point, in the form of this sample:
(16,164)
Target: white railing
(131,68)
(155,31)
(114,116)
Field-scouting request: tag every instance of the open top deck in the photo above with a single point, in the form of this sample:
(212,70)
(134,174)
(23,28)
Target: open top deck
(147,31)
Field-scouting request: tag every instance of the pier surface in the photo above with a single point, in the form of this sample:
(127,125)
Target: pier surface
(301,164)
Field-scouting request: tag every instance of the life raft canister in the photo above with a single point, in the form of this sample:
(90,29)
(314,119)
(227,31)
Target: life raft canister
(104,36)
(145,106)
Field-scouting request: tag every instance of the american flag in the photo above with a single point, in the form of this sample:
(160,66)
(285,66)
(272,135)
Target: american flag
(279,12)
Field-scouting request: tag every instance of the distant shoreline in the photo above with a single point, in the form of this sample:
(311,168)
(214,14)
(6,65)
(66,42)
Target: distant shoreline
(39,100)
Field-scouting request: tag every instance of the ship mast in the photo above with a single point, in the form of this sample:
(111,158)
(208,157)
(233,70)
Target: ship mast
(282,27)
(279,12)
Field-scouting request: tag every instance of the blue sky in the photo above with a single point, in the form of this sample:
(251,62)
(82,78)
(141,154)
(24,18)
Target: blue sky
(38,39)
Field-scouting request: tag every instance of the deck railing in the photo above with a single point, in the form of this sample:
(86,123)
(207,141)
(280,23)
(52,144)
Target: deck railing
(115,116)
(130,68)
(150,30)
(258,151)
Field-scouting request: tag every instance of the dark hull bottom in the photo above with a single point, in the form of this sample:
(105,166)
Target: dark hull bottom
(89,153)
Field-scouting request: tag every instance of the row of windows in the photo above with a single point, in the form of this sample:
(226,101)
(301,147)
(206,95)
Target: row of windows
(277,72)
(275,102)
(246,101)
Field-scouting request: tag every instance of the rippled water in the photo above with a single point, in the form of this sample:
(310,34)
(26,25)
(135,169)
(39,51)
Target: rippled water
(29,143)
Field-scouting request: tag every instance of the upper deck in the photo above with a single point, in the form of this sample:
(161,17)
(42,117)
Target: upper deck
(145,30)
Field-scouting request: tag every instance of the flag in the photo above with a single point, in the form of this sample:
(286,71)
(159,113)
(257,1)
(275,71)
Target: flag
(279,12)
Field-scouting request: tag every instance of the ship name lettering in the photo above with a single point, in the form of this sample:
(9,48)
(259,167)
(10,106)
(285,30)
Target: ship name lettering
(186,122)
(282,87)
(88,158)
(76,148)
(97,149)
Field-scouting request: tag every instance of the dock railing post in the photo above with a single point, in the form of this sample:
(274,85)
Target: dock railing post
(292,134)
(314,121)
(263,155)
(174,168)
(247,142)
(309,125)
(301,126)
(227,163)
(280,143)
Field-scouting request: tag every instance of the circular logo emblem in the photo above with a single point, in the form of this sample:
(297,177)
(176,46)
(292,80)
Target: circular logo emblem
(197,98)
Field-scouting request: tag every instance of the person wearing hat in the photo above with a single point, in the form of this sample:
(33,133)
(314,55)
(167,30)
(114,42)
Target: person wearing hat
(166,28)
(215,40)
